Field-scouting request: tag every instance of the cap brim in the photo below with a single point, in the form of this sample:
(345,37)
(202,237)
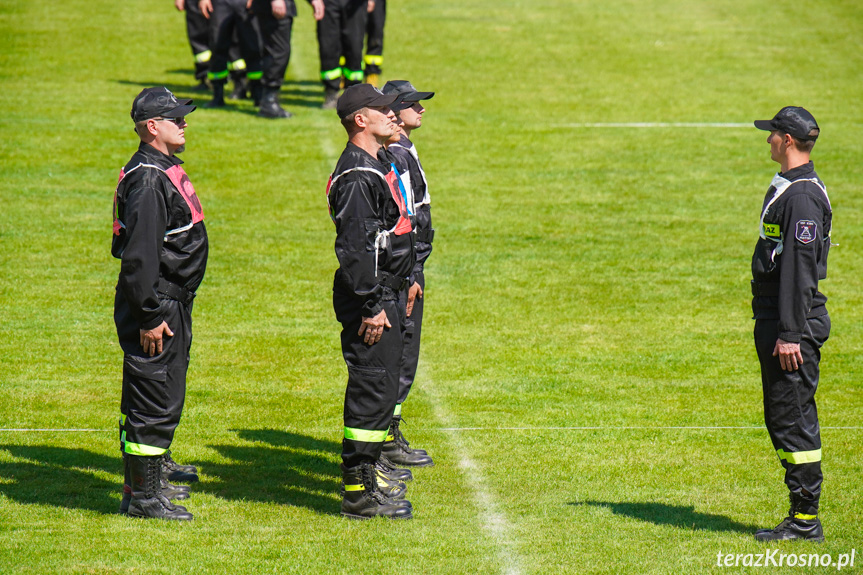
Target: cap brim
(183,109)
(417,96)
(764,125)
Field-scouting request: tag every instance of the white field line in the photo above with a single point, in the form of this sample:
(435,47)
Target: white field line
(492,519)
(656,125)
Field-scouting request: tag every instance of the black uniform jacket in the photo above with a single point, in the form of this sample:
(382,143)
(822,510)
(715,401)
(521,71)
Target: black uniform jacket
(801,218)
(362,207)
(149,205)
(407,162)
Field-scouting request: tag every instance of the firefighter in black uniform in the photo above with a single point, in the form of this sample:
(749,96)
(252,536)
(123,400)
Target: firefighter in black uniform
(791,321)
(397,449)
(197,30)
(340,36)
(160,238)
(375,249)
(374,58)
(227,18)
(276,19)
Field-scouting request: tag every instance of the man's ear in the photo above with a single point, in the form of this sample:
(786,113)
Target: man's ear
(360,120)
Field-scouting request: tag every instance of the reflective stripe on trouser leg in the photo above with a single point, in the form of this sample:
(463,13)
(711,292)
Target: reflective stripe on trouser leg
(370,395)
(237,66)
(352,76)
(790,412)
(203,57)
(372,60)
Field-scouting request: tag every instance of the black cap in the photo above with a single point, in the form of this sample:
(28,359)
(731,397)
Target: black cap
(792,120)
(159,102)
(406,88)
(361,96)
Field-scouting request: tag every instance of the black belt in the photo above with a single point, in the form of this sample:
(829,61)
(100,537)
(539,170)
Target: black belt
(175,292)
(425,236)
(765,289)
(395,283)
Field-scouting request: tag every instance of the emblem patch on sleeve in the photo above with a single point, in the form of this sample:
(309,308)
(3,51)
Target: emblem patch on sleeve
(805,231)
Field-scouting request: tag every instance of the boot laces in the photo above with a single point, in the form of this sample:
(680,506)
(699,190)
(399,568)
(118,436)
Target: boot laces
(169,462)
(370,482)
(398,436)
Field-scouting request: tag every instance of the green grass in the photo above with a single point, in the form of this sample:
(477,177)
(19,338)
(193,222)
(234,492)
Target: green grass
(587,298)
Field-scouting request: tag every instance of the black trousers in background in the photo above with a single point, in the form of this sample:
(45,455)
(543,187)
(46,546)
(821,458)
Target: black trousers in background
(198,31)
(154,388)
(373,376)
(276,43)
(374,58)
(340,34)
(230,17)
(789,404)
(411,353)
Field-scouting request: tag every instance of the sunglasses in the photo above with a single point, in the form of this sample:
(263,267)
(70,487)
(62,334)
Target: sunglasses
(177,121)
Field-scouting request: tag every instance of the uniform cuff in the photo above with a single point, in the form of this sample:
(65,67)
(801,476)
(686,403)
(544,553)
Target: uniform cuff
(790,336)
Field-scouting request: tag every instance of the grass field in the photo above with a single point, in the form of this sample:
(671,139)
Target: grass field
(588,386)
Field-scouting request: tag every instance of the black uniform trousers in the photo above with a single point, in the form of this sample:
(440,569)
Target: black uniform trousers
(373,376)
(340,34)
(374,57)
(276,43)
(198,32)
(230,17)
(154,388)
(411,353)
(789,404)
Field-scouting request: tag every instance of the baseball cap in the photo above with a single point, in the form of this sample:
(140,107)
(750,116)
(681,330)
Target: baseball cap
(159,102)
(361,96)
(792,120)
(404,87)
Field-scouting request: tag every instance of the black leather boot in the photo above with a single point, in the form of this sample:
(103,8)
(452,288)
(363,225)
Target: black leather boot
(391,471)
(270,107)
(172,492)
(218,100)
(398,450)
(173,471)
(147,499)
(240,86)
(802,523)
(363,500)
(331,97)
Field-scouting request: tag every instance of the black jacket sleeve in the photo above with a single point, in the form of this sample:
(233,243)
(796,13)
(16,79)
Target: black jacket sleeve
(798,274)
(145,217)
(357,225)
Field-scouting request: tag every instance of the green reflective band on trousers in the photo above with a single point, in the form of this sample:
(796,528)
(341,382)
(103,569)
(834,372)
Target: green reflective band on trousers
(217,75)
(331,74)
(372,60)
(805,517)
(255,75)
(237,65)
(203,57)
(353,75)
(140,448)
(799,457)
(122,419)
(366,435)
(398,410)
(354,488)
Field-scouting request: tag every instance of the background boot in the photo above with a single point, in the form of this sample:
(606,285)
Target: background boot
(239,91)
(331,98)
(802,523)
(270,107)
(397,449)
(173,471)
(218,100)
(362,498)
(256,91)
(391,471)
(147,498)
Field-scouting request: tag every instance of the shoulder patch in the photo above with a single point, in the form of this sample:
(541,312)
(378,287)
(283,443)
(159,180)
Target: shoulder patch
(805,231)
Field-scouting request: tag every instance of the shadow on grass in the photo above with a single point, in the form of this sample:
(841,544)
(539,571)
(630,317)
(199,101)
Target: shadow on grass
(303,94)
(61,477)
(289,469)
(672,515)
